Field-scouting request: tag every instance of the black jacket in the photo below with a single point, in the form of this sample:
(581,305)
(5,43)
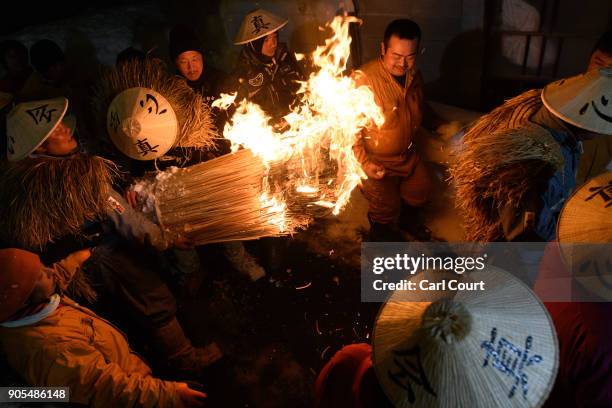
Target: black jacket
(271,84)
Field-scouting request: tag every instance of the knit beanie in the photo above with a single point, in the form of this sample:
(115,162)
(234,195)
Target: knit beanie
(182,38)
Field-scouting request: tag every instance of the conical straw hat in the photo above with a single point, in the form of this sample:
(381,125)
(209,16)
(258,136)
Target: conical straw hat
(29,124)
(583,100)
(587,215)
(5,99)
(584,227)
(141,123)
(258,24)
(484,348)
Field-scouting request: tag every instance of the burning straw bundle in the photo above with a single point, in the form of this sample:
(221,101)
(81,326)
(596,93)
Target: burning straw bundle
(219,200)
(503,156)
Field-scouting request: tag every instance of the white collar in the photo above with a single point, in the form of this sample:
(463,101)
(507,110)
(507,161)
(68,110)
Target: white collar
(50,307)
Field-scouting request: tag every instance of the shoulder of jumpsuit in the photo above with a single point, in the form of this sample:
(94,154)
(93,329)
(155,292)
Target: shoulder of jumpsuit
(362,74)
(370,67)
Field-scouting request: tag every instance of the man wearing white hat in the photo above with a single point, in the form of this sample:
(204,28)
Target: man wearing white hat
(517,165)
(58,198)
(597,156)
(266,72)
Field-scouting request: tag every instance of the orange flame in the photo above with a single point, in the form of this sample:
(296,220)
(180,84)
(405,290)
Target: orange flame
(322,128)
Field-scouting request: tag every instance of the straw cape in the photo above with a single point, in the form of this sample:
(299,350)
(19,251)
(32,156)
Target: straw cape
(502,154)
(258,24)
(142,124)
(47,198)
(491,348)
(584,232)
(582,100)
(195,123)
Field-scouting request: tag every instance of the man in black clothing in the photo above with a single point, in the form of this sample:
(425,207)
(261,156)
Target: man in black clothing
(266,72)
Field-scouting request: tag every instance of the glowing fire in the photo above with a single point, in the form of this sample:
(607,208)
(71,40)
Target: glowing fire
(316,143)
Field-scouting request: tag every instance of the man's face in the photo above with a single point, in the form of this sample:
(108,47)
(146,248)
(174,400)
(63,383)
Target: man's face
(44,286)
(400,55)
(599,59)
(60,143)
(190,64)
(269,45)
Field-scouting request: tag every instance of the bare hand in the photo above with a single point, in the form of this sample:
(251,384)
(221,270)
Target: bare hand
(182,242)
(189,397)
(132,198)
(373,170)
(81,256)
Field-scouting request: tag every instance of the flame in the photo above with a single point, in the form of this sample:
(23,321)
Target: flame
(318,134)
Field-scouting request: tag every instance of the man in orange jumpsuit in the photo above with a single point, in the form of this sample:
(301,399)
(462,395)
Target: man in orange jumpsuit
(394,169)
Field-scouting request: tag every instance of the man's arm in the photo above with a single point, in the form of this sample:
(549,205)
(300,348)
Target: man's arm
(134,226)
(65,269)
(93,380)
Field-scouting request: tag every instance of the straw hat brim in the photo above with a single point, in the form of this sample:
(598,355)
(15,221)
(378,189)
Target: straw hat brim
(585,217)
(25,153)
(577,100)
(584,232)
(250,32)
(454,374)
(242,42)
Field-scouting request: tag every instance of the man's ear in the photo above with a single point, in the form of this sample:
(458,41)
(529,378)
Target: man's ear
(382,48)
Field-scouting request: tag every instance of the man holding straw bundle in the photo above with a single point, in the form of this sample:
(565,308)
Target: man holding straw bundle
(57,194)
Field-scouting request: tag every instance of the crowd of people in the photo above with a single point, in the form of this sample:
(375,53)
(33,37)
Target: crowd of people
(72,234)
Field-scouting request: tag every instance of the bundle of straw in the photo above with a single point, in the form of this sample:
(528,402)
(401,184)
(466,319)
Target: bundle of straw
(503,156)
(221,200)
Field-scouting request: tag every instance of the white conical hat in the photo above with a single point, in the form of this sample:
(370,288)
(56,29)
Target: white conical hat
(484,348)
(584,227)
(258,24)
(141,123)
(29,124)
(587,214)
(584,100)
